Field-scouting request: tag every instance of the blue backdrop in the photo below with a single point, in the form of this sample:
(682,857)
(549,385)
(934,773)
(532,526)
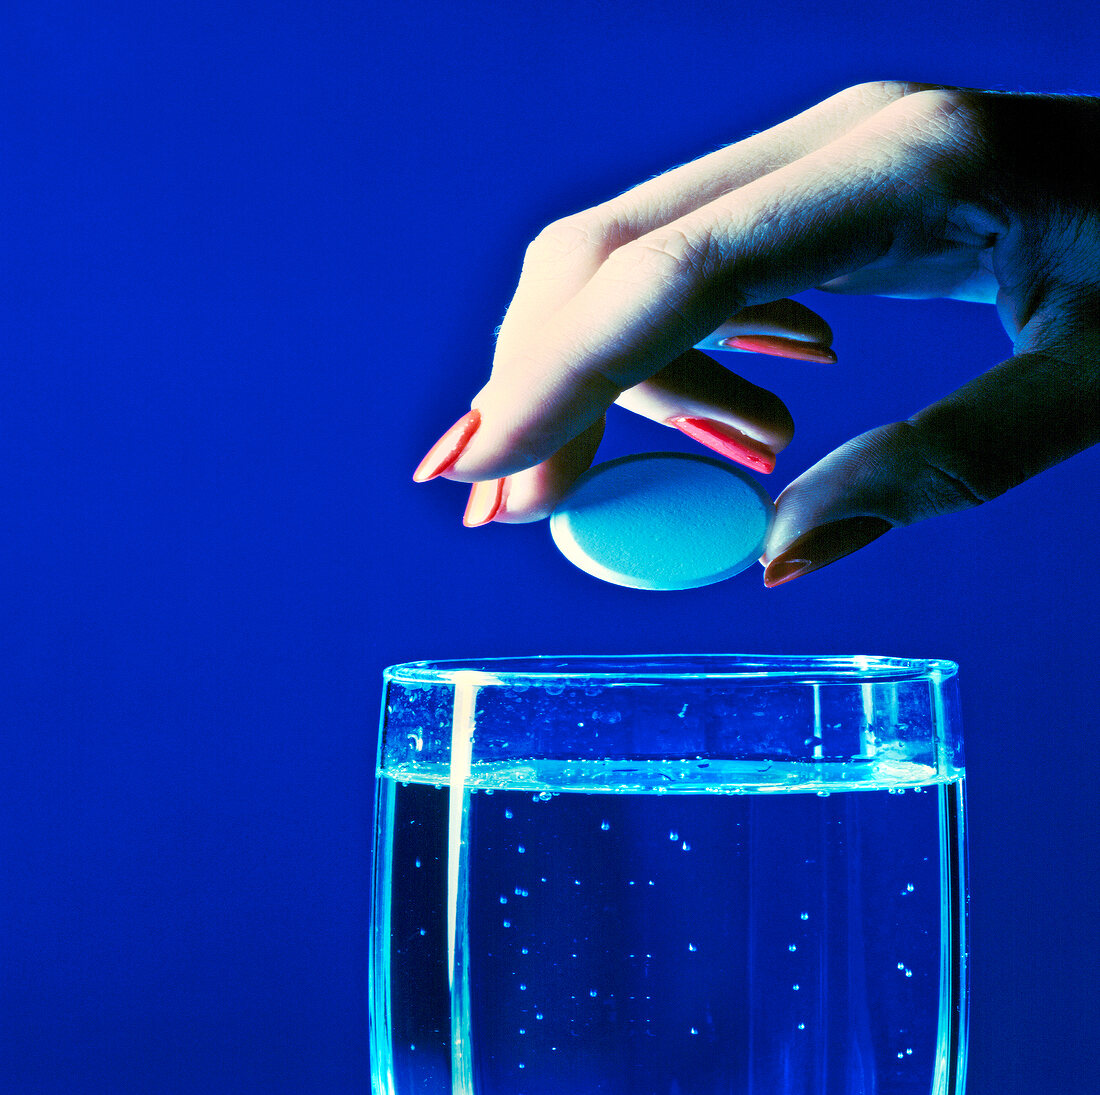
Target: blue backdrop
(253,259)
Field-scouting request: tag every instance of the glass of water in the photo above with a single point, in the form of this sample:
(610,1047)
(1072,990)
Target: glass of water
(674,875)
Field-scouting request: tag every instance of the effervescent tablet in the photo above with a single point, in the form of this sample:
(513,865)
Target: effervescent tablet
(663,520)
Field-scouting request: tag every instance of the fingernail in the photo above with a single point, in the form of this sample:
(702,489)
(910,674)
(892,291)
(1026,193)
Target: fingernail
(823,545)
(448,448)
(781,347)
(726,440)
(785,570)
(484,503)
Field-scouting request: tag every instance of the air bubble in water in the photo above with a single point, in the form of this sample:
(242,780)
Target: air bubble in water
(423,931)
(605,825)
(543,796)
(592,992)
(793,947)
(522,987)
(507,923)
(692,947)
(418,863)
(673,835)
(538,1014)
(909,1050)
(521,849)
(503,899)
(801,1026)
(508,814)
(805,916)
(694,1031)
(908,973)
(901,965)
(523,950)
(685,846)
(909,887)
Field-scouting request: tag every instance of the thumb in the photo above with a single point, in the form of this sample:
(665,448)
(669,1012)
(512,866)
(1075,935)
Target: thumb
(1009,424)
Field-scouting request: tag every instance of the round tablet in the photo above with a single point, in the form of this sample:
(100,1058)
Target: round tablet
(663,520)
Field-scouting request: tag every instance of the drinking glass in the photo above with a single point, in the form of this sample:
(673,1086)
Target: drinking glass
(681,875)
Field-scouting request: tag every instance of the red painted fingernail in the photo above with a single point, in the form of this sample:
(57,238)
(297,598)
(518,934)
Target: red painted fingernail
(726,440)
(823,545)
(484,503)
(782,347)
(785,570)
(448,448)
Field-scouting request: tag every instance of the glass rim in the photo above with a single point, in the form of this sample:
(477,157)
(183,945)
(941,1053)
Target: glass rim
(760,669)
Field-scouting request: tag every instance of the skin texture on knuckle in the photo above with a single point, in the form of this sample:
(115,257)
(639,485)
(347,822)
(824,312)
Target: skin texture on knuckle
(880,92)
(668,256)
(574,240)
(953,469)
(897,473)
(937,145)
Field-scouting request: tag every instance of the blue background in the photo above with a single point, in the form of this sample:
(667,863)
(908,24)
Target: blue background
(253,256)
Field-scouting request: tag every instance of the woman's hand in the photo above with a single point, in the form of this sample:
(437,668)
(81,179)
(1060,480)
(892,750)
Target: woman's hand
(888,188)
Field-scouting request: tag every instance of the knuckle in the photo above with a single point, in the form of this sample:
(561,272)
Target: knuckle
(943,479)
(898,470)
(667,255)
(575,239)
(936,137)
(880,92)
(935,108)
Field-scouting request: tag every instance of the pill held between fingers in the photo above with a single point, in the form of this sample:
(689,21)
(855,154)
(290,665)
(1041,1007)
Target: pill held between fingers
(663,520)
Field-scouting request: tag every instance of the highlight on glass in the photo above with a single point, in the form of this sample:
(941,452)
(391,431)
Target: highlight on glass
(678,874)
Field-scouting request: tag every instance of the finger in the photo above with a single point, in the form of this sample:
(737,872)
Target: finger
(809,222)
(777,319)
(693,394)
(715,407)
(532,494)
(567,253)
(1020,418)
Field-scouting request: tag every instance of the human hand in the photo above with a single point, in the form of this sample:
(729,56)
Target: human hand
(895,189)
